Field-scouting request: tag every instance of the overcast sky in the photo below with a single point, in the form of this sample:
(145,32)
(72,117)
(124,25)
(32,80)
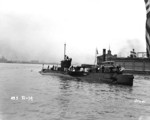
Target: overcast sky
(38,29)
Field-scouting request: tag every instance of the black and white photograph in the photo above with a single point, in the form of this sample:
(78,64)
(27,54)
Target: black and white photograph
(74,59)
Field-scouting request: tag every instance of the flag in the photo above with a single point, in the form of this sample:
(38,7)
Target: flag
(96,51)
(147,3)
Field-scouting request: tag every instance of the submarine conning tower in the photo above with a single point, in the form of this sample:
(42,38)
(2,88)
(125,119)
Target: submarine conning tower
(65,64)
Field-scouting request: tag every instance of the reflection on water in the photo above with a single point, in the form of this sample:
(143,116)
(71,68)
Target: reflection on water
(64,97)
(60,98)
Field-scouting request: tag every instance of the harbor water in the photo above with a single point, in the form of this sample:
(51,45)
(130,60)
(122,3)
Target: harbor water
(27,95)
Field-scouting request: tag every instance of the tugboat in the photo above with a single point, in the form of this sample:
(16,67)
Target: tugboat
(114,73)
(106,72)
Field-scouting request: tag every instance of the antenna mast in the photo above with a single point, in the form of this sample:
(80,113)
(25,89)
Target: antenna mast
(64,50)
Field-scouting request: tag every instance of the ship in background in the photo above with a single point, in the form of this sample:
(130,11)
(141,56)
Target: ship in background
(136,62)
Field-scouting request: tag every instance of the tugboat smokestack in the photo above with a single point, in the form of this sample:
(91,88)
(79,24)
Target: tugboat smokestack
(104,54)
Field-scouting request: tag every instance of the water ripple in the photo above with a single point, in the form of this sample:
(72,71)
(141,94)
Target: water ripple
(61,98)
(43,105)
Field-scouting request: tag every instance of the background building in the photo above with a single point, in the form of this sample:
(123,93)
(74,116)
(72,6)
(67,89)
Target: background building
(133,62)
(108,56)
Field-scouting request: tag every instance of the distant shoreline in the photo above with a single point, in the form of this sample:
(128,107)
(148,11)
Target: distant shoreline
(31,63)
